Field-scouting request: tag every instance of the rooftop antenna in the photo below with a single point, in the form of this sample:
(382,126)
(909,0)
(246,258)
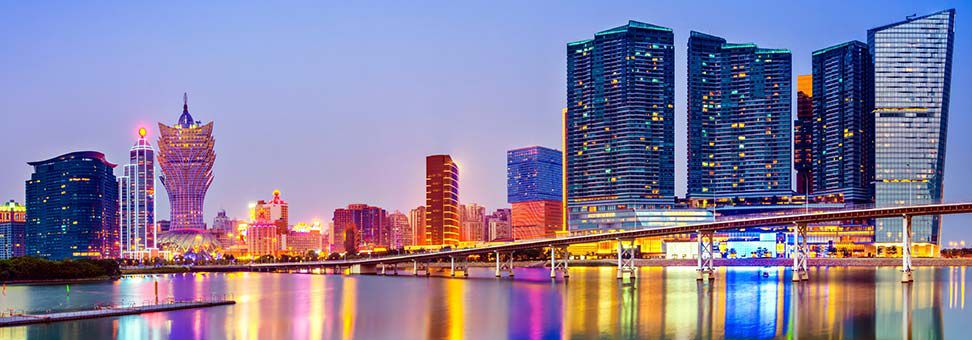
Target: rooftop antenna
(185,102)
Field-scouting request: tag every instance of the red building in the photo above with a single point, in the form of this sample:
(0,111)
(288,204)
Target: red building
(536,219)
(366,225)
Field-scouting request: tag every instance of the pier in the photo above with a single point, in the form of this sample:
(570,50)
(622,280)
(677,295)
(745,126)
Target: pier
(27,319)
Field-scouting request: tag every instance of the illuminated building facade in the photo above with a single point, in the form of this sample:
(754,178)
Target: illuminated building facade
(738,119)
(186,158)
(416,220)
(803,134)
(534,188)
(72,207)
(360,225)
(533,173)
(276,211)
(499,224)
(400,230)
(298,243)
(262,239)
(136,197)
(536,219)
(13,218)
(843,126)
(441,201)
(472,218)
(620,120)
(912,73)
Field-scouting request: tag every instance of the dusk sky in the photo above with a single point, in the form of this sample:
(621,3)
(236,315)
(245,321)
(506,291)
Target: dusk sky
(339,102)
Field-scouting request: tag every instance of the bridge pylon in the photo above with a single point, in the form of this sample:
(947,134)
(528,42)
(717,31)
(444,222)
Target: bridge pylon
(420,266)
(906,274)
(801,252)
(626,260)
(504,264)
(560,266)
(463,266)
(706,258)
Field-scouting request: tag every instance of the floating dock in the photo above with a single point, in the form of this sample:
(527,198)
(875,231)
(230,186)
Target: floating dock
(25,319)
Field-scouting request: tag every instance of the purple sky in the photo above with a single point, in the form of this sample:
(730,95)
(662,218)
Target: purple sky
(340,103)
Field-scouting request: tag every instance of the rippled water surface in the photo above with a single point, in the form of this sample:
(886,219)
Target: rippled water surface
(854,303)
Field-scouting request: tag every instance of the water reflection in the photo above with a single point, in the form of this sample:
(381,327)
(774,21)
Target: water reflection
(663,302)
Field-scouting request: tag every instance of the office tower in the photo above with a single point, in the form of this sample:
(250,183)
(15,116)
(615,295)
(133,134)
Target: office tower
(262,239)
(472,219)
(912,71)
(136,196)
(416,221)
(534,184)
(72,207)
(499,225)
(13,218)
(843,126)
(186,158)
(738,119)
(359,225)
(399,229)
(619,122)
(803,134)
(441,201)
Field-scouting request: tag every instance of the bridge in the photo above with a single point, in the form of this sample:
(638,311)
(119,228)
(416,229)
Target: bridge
(797,224)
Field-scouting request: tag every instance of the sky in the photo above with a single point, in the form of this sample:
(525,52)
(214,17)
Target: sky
(339,102)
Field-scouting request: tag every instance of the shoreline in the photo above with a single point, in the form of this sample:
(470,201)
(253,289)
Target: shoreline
(51,282)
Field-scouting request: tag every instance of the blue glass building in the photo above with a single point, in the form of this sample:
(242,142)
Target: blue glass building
(72,207)
(912,70)
(533,173)
(843,126)
(620,132)
(739,129)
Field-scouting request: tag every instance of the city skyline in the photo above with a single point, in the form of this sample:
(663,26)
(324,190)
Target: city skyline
(479,173)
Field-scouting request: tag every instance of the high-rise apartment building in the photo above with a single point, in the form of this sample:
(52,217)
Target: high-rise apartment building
(738,119)
(416,221)
(359,225)
(472,219)
(441,201)
(400,230)
(843,126)
(912,73)
(136,197)
(13,218)
(72,207)
(186,158)
(534,173)
(619,121)
(499,225)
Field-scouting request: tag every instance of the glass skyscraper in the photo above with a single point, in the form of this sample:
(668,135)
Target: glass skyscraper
(843,127)
(72,207)
(619,122)
(803,134)
(533,173)
(738,119)
(136,197)
(912,70)
(186,158)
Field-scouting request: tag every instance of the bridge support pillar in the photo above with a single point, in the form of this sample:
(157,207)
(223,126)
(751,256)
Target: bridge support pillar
(559,266)
(504,265)
(801,252)
(463,266)
(626,258)
(706,259)
(416,267)
(906,274)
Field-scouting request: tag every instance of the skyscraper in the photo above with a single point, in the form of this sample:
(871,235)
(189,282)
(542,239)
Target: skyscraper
(276,211)
(843,126)
(136,196)
(359,225)
(441,201)
(416,220)
(534,184)
(619,122)
(499,225)
(13,217)
(912,72)
(738,119)
(803,134)
(186,158)
(72,207)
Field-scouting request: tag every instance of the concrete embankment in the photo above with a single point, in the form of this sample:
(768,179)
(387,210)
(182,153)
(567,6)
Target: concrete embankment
(25,319)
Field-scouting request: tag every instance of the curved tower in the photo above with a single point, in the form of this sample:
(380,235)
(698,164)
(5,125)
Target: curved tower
(186,158)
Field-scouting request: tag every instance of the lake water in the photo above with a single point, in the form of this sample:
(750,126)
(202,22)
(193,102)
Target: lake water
(838,302)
